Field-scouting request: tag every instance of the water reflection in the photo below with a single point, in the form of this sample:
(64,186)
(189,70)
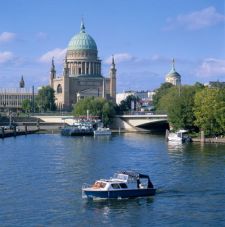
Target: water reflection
(106,207)
(103,138)
(175,146)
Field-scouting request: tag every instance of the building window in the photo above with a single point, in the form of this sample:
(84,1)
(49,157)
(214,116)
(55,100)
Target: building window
(59,89)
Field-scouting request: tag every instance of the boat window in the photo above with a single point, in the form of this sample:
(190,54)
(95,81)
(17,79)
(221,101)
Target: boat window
(115,186)
(120,176)
(99,185)
(123,185)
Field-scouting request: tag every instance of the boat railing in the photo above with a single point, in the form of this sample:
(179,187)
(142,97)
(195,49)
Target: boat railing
(85,185)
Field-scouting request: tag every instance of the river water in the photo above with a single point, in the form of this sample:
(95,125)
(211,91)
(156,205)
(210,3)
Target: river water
(41,178)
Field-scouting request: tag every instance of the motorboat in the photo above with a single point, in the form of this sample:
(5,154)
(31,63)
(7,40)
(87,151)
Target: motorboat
(124,184)
(100,131)
(78,129)
(179,136)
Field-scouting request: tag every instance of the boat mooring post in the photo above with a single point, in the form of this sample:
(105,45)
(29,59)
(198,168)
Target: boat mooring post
(202,138)
(14,130)
(167,133)
(2,132)
(25,129)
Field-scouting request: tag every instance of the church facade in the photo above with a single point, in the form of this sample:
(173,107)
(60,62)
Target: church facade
(82,73)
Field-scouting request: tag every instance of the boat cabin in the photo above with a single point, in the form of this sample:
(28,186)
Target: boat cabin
(124,180)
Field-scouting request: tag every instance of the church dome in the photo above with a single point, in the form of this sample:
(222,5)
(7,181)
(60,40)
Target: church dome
(82,41)
(173,73)
(173,76)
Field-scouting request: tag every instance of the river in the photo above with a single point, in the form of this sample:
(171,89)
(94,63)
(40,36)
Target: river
(41,178)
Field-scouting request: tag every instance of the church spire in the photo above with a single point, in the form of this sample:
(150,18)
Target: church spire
(112,86)
(82,27)
(173,65)
(113,63)
(66,68)
(53,65)
(22,83)
(52,72)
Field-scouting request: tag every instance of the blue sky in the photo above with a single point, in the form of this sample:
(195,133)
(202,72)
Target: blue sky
(144,36)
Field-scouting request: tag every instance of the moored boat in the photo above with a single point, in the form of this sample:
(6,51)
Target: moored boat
(179,136)
(102,131)
(124,184)
(78,129)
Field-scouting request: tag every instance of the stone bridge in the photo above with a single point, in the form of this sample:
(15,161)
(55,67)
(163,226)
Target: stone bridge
(143,122)
(137,122)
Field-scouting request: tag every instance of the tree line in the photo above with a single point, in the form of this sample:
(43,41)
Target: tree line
(193,107)
(44,101)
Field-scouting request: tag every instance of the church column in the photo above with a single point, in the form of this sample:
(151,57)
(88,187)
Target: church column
(97,68)
(89,68)
(83,67)
(75,65)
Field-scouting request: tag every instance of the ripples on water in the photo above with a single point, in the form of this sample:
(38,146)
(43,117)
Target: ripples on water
(41,178)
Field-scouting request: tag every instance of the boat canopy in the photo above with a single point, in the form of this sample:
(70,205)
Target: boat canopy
(133,174)
(138,176)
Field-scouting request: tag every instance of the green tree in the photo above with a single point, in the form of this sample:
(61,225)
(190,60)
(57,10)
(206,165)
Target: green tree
(99,107)
(160,92)
(126,105)
(46,99)
(209,110)
(178,103)
(27,105)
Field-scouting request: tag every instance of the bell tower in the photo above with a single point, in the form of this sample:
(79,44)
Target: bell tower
(52,73)
(112,75)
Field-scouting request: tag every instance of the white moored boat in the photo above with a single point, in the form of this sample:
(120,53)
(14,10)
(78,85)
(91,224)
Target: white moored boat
(102,131)
(179,136)
(124,184)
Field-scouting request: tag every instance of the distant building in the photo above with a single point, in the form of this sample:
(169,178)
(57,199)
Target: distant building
(12,98)
(145,98)
(173,77)
(142,95)
(82,73)
(217,84)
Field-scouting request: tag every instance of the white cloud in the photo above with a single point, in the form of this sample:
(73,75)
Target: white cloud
(6,56)
(57,53)
(196,20)
(211,67)
(120,57)
(7,36)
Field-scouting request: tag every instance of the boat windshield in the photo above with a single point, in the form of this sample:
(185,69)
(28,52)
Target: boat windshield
(120,176)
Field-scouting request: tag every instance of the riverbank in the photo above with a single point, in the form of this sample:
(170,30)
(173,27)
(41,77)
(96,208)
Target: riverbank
(210,140)
(12,133)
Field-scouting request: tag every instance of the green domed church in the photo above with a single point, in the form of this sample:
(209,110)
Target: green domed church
(82,73)
(173,76)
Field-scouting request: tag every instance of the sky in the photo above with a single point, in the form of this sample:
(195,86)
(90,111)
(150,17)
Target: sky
(143,35)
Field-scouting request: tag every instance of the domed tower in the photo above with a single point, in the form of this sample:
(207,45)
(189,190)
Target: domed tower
(82,55)
(173,77)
